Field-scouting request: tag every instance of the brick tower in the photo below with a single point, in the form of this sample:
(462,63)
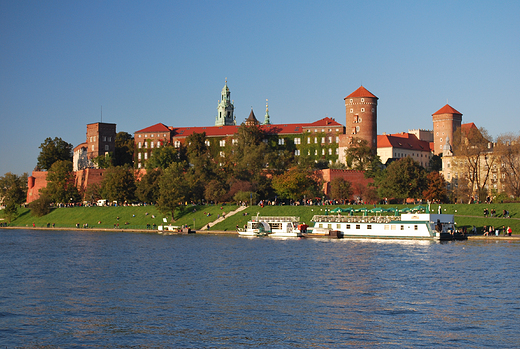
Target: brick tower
(361,107)
(445,122)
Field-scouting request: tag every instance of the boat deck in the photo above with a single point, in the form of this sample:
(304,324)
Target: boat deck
(355,219)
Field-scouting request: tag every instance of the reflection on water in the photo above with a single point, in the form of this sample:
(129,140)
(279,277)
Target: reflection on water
(68,289)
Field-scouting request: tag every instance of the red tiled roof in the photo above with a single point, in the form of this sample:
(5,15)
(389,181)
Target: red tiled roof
(447,109)
(155,128)
(361,92)
(402,141)
(226,131)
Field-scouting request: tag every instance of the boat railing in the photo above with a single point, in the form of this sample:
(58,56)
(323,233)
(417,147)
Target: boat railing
(354,219)
(276,219)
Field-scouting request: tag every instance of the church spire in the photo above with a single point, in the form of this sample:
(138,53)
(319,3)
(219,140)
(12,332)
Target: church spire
(267,121)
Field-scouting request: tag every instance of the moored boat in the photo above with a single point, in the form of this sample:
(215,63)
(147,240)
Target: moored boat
(272,226)
(406,226)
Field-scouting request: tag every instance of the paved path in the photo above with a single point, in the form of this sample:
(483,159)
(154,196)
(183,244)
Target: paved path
(221,218)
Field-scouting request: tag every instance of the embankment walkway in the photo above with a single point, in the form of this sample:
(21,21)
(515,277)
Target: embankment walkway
(221,218)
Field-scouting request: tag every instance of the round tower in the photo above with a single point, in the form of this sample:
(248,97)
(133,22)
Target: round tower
(361,122)
(445,122)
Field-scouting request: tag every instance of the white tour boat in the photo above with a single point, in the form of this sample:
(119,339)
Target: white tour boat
(274,226)
(405,226)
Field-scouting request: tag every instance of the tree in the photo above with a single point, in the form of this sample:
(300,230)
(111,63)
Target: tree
(103,161)
(359,155)
(148,187)
(436,190)
(340,189)
(163,157)
(402,179)
(296,184)
(124,149)
(473,158)
(118,184)
(435,163)
(202,168)
(215,190)
(173,189)
(61,186)
(41,206)
(53,150)
(508,153)
(13,188)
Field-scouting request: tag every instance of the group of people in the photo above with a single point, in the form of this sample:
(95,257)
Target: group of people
(505,213)
(490,230)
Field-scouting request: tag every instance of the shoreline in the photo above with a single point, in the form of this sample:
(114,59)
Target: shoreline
(213,232)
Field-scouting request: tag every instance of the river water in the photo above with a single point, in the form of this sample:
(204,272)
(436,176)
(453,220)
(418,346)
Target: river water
(117,290)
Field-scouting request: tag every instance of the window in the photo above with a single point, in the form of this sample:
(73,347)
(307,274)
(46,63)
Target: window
(152,144)
(362,110)
(358,226)
(351,110)
(351,100)
(323,152)
(369,226)
(348,226)
(330,151)
(281,141)
(222,142)
(106,147)
(158,144)
(139,145)
(416,227)
(104,138)
(337,151)
(297,152)
(315,140)
(145,156)
(362,99)
(222,154)
(177,144)
(322,140)
(207,143)
(316,152)
(297,141)
(92,147)
(234,141)
(330,139)
(337,139)
(139,156)
(308,140)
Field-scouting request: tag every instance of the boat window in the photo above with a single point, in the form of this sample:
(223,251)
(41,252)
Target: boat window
(369,226)
(416,227)
(348,226)
(387,227)
(358,226)
(329,226)
(402,227)
(393,227)
(338,226)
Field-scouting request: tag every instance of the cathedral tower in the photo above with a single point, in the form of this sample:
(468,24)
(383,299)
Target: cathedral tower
(361,122)
(445,122)
(225,109)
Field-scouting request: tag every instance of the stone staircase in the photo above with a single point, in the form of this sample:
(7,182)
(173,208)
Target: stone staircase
(221,218)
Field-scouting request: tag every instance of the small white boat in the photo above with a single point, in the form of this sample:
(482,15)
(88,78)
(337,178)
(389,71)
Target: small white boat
(405,226)
(273,226)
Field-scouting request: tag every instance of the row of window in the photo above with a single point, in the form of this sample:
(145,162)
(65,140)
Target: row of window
(152,135)
(368,226)
(362,110)
(105,139)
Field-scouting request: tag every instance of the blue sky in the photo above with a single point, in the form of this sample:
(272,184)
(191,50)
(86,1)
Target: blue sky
(166,61)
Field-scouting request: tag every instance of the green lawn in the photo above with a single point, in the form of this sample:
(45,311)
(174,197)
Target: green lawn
(138,217)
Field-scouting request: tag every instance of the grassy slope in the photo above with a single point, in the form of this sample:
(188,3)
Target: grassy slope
(465,215)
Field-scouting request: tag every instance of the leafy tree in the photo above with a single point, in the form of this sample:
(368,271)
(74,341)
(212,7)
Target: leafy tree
(61,186)
(436,190)
(340,189)
(92,193)
(215,190)
(296,184)
(202,168)
(360,155)
(124,149)
(53,150)
(11,210)
(13,188)
(118,184)
(148,186)
(435,164)
(164,156)
(173,189)
(41,206)
(248,153)
(103,161)
(402,179)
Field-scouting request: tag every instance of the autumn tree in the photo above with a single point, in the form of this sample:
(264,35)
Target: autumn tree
(473,158)
(164,156)
(53,150)
(436,190)
(402,179)
(340,189)
(296,184)
(202,168)
(508,154)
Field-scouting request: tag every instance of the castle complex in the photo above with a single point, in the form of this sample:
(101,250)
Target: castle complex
(321,140)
